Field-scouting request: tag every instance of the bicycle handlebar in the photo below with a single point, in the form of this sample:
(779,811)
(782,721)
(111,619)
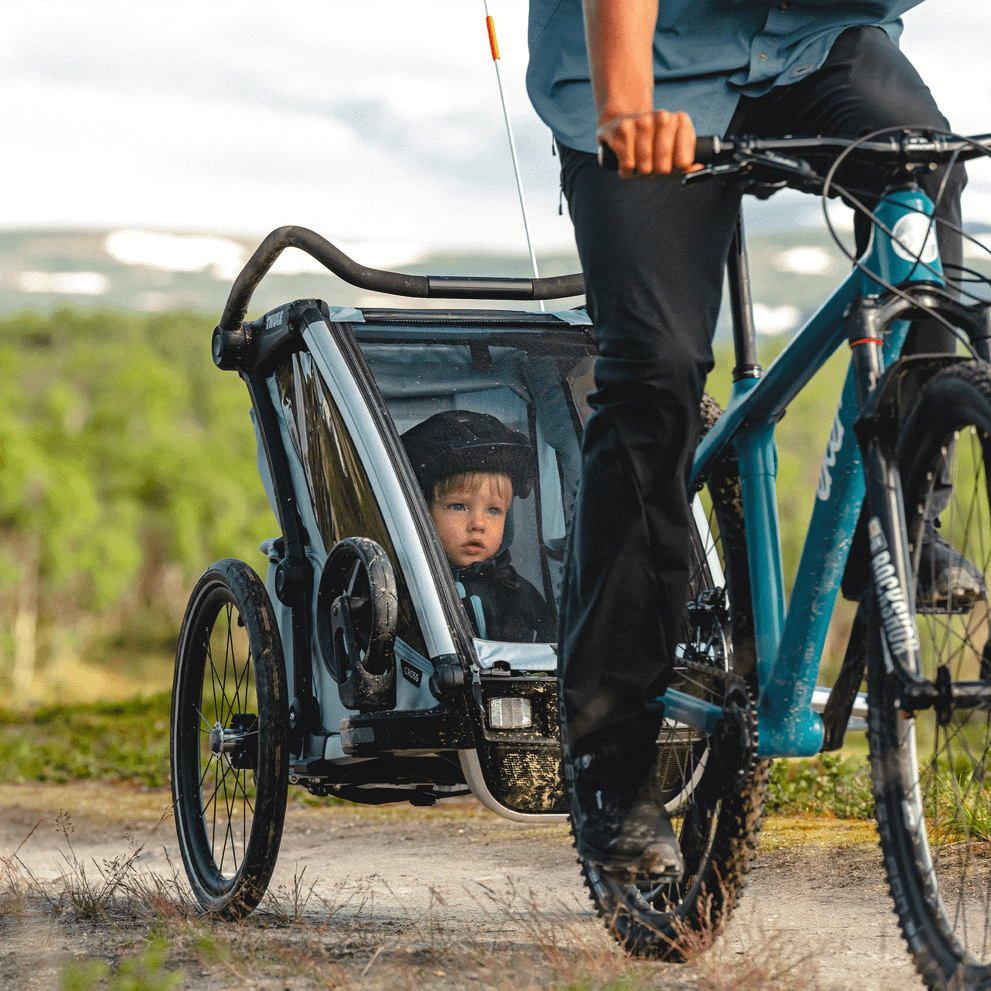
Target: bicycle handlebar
(905,151)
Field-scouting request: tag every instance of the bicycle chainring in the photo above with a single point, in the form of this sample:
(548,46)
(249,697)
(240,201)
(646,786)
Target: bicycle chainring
(734,742)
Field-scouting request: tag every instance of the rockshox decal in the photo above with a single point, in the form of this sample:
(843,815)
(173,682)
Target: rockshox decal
(899,625)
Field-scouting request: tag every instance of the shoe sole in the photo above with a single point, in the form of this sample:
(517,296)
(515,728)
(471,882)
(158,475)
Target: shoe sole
(631,869)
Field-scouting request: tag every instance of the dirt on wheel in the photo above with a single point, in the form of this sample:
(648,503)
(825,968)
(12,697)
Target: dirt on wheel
(395,897)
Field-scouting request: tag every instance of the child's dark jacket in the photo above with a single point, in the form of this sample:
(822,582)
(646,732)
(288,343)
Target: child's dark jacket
(502,605)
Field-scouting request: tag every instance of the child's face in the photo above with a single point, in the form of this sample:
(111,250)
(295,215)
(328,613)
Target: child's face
(470,521)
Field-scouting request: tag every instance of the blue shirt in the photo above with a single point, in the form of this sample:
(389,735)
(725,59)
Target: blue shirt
(707,54)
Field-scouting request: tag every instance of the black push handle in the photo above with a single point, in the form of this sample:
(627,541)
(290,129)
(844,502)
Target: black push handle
(378,280)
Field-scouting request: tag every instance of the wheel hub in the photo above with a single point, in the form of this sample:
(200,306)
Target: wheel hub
(232,741)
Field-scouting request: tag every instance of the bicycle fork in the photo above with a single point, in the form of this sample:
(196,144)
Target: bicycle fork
(888,549)
(882,403)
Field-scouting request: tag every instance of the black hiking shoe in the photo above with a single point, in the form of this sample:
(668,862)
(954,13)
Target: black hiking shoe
(620,823)
(946,577)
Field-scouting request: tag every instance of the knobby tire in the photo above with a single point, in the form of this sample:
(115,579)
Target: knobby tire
(931,784)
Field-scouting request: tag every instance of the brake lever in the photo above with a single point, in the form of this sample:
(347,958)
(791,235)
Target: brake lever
(714,172)
(800,174)
(762,172)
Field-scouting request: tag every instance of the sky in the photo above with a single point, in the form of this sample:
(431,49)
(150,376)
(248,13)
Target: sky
(377,123)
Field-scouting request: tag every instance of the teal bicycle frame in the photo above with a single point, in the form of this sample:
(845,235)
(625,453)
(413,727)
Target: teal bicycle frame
(790,640)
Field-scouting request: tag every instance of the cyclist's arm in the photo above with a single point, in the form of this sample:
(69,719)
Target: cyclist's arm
(620,37)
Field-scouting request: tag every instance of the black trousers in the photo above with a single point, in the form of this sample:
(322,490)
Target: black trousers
(653,254)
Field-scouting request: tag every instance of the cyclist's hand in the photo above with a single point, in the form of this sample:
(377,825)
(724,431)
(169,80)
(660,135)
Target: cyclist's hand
(652,142)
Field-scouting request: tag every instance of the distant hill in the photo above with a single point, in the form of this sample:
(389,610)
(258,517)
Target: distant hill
(149,271)
(144,271)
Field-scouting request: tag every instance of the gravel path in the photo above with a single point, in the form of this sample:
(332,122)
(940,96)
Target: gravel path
(431,898)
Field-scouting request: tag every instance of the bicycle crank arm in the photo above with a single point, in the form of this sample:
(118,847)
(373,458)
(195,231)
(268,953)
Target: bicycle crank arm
(700,715)
(731,729)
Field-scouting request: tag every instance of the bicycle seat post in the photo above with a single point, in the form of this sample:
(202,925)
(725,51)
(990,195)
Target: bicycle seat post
(742,307)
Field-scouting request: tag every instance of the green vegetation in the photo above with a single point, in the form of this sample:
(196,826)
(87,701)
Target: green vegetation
(144,972)
(127,465)
(827,785)
(129,741)
(99,741)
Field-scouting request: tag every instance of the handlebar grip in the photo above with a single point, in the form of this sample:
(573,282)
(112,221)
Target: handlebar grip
(608,159)
(707,149)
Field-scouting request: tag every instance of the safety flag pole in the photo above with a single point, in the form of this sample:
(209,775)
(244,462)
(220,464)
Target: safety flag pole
(494,47)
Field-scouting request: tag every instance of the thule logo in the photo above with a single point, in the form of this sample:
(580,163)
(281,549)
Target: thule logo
(273,320)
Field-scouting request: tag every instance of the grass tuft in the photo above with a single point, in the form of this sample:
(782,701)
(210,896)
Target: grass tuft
(146,971)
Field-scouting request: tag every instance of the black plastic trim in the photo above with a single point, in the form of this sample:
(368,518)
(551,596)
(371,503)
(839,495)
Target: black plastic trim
(412,731)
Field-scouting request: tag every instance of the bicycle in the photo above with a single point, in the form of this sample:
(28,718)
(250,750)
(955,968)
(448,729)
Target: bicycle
(748,663)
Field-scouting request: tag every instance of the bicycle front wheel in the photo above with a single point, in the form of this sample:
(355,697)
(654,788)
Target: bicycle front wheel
(229,740)
(717,826)
(930,769)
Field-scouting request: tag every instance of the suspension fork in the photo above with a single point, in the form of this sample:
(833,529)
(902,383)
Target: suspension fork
(887,532)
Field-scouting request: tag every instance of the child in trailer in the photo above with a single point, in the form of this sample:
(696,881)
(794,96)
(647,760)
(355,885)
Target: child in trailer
(468,466)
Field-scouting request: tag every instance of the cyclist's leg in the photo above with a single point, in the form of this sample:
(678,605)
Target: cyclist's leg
(653,256)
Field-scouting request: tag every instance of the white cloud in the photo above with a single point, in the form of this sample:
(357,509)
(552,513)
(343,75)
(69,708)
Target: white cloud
(947,42)
(364,121)
(69,283)
(380,254)
(979,247)
(775,319)
(805,261)
(173,253)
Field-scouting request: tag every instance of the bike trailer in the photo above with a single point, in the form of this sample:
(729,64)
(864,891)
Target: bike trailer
(403,701)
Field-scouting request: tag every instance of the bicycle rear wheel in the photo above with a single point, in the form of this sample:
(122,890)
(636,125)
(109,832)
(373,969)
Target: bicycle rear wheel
(717,830)
(229,745)
(931,783)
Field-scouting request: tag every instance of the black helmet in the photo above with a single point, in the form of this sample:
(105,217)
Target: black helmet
(459,441)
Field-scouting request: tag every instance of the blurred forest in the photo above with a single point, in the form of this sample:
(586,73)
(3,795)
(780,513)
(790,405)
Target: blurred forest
(127,465)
